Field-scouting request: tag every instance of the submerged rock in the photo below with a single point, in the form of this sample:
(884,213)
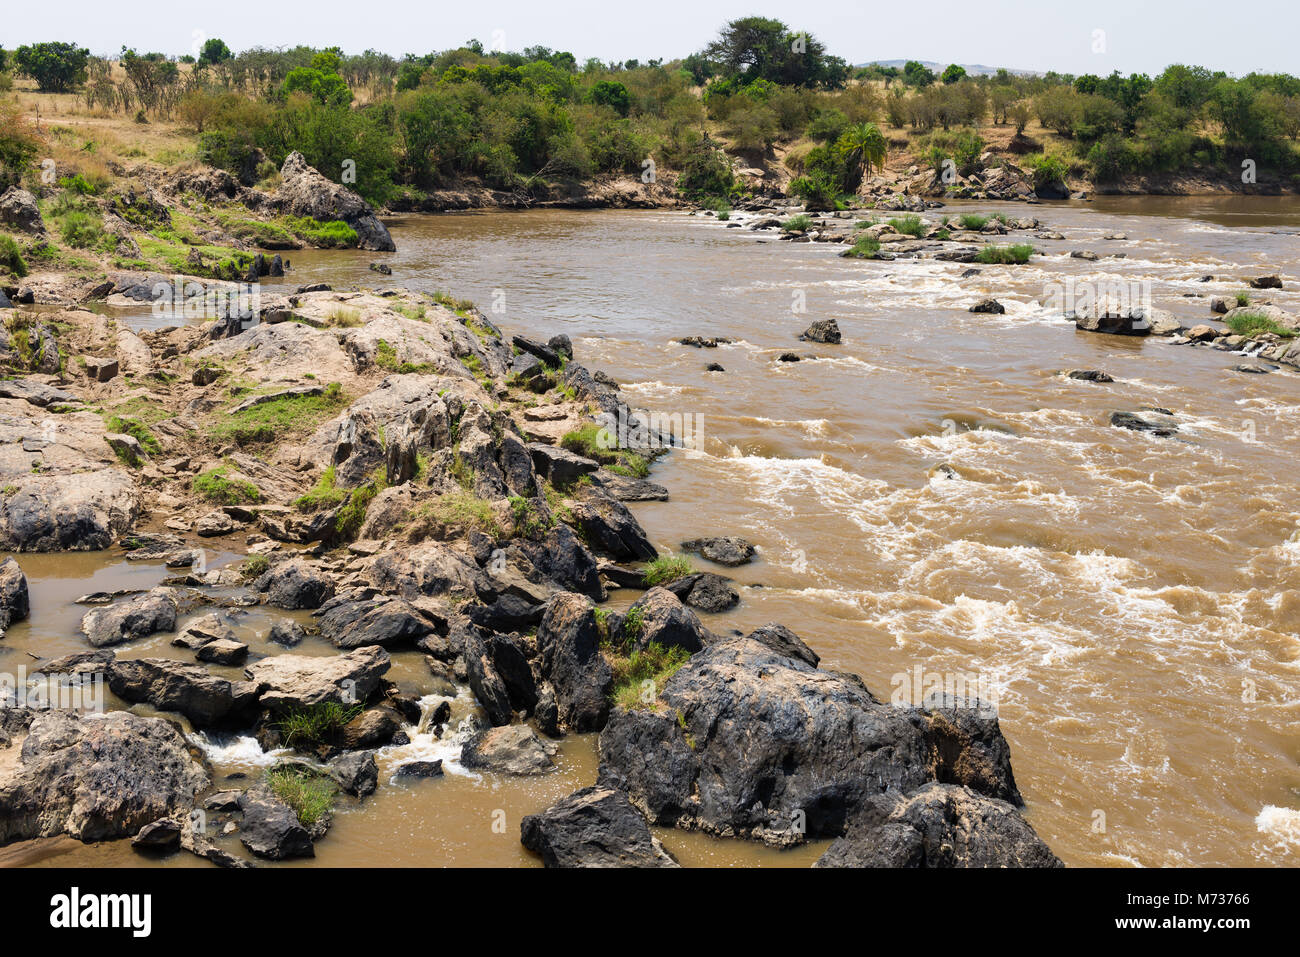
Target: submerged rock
(1088,375)
(823,330)
(724,550)
(1139,423)
(989,306)
(594,827)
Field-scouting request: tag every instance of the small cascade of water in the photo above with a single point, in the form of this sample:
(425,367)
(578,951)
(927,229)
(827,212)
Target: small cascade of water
(426,745)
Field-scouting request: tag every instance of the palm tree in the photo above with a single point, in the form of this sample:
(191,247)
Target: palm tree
(863,146)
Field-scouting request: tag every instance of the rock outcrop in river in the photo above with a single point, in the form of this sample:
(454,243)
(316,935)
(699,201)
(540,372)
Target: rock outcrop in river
(401,481)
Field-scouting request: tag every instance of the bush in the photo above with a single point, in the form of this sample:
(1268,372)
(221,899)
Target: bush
(612,94)
(828,125)
(11,257)
(137,430)
(254,566)
(324,494)
(818,190)
(1047,169)
(56,67)
(706,173)
(18,144)
(797,224)
(82,229)
(278,418)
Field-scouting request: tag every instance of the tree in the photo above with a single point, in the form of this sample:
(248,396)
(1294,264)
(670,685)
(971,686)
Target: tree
(953,73)
(214,51)
(56,67)
(862,146)
(761,48)
(611,93)
(916,73)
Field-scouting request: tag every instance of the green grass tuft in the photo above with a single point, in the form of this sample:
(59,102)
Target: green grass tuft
(1016,255)
(216,486)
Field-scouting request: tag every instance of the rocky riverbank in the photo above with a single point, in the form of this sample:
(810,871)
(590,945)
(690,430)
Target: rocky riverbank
(411,477)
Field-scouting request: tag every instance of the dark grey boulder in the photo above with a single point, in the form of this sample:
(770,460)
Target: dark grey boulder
(823,330)
(356,772)
(568,640)
(388,622)
(749,739)
(705,591)
(665,621)
(594,827)
(296,583)
(271,829)
(513,749)
(137,617)
(15,603)
(97,777)
(169,685)
(939,825)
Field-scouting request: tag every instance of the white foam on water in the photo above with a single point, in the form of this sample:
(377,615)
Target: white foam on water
(424,746)
(237,751)
(813,428)
(656,389)
(1281,826)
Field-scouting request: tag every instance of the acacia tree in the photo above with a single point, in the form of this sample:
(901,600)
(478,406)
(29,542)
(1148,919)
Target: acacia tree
(762,48)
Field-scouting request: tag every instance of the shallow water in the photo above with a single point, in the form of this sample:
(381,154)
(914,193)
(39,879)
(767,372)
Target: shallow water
(1133,601)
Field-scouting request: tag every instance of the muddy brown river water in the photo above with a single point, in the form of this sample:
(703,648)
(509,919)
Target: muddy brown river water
(1134,601)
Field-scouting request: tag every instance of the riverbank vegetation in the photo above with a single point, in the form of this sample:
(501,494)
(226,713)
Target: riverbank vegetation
(761,97)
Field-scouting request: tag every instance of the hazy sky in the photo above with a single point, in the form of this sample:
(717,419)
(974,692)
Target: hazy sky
(1073,37)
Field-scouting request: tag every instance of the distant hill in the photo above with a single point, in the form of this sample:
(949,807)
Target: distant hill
(974,69)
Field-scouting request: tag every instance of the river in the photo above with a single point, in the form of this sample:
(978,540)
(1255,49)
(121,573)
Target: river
(1133,601)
